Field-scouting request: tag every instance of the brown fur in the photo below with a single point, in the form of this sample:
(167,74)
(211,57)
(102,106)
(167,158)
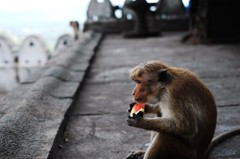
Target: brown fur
(185,111)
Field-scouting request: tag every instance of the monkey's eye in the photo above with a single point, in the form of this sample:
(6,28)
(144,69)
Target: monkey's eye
(138,81)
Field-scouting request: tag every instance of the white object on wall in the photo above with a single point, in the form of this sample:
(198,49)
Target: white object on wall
(8,73)
(32,56)
(63,42)
(33,52)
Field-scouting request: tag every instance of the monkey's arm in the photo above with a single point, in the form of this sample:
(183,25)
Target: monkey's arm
(165,125)
(152,109)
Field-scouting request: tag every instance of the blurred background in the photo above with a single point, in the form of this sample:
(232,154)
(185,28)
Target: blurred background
(32,32)
(49,19)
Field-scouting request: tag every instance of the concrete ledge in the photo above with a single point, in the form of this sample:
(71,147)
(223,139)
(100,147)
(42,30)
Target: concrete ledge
(154,24)
(32,114)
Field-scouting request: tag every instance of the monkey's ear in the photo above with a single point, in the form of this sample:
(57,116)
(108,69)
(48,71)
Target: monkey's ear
(164,76)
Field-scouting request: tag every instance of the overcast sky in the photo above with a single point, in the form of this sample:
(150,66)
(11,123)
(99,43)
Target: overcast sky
(14,12)
(24,17)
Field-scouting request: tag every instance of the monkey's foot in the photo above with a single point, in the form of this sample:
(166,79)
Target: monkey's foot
(136,155)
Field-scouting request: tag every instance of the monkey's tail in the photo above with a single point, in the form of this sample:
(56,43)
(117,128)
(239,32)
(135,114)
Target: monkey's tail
(221,138)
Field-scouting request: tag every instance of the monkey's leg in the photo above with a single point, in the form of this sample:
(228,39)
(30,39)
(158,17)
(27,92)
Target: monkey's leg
(153,134)
(171,147)
(153,151)
(140,154)
(136,155)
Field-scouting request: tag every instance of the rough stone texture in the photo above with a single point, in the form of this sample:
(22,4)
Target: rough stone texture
(100,136)
(106,96)
(97,126)
(64,74)
(32,116)
(29,130)
(227,149)
(55,87)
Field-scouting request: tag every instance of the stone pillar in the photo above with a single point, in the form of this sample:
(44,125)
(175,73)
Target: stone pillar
(141,30)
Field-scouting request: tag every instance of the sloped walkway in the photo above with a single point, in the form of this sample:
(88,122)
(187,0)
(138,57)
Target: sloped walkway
(97,128)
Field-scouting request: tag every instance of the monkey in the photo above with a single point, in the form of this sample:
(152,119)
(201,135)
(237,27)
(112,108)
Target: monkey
(184,108)
(75,26)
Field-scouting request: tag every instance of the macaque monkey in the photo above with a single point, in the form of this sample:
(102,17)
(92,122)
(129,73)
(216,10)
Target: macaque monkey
(75,26)
(184,108)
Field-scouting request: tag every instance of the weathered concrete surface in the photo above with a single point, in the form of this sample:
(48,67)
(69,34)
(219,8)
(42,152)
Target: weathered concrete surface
(228,149)
(33,115)
(97,126)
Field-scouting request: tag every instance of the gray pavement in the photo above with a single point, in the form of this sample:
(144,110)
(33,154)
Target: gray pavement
(97,126)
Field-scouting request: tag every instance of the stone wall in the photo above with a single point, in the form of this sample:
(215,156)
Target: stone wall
(33,115)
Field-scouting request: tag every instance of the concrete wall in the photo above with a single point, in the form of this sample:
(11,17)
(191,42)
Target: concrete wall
(33,115)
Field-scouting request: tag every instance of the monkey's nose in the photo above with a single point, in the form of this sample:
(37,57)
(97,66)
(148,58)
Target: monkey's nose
(133,93)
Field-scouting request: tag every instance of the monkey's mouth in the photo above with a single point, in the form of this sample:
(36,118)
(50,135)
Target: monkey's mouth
(139,100)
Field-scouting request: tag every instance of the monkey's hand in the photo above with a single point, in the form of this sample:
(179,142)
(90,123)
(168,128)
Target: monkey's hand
(134,121)
(131,106)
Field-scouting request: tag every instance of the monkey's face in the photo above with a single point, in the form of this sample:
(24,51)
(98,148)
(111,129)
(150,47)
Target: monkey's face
(146,90)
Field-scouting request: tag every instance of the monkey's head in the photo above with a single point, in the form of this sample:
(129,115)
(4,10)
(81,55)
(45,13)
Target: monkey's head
(151,80)
(74,24)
